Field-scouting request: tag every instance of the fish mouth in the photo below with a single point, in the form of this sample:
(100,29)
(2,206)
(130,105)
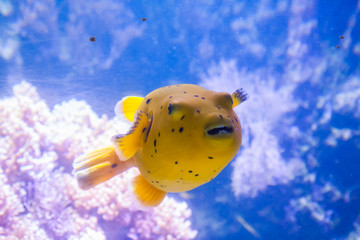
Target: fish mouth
(220,130)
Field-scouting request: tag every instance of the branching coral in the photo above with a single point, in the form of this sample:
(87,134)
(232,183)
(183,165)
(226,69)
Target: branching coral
(260,162)
(40,199)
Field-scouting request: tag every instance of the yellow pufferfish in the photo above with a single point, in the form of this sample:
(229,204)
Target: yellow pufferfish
(182,136)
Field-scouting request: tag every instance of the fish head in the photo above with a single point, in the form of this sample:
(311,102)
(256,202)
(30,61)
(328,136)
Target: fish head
(210,120)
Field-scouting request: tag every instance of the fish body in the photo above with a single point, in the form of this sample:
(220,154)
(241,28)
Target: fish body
(178,153)
(182,137)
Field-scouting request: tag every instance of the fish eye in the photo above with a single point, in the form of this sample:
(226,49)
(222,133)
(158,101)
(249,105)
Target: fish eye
(224,99)
(229,99)
(176,111)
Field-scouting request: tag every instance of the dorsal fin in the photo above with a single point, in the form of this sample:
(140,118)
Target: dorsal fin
(238,97)
(127,107)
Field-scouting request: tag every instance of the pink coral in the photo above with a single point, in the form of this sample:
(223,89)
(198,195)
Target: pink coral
(40,199)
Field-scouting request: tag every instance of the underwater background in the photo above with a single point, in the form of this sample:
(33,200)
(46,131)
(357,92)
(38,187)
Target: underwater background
(297,174)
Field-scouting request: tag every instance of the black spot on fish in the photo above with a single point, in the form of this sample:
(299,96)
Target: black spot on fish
(232,121)
(176,162)
(196,95)
(170,97)
(155,150)
(143,130)
(155,143)
(147,101)
(159,134)
(198,110)
(114,165)
(221,116)
(148,171)
(181,178)
(182,117)
(202,98)
(152,181)
(219,106)
(170,108)
(196,175)
(228,116)
(190,171)
(151,155)
(157,182)
(185,92)
(210,157)
(172,130)
(236,120)
(181,129)
(161,107)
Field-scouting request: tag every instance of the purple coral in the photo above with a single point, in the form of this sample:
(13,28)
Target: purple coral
(39,198)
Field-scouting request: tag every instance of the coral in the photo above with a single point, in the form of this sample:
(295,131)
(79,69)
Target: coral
(260,162)
(40,199)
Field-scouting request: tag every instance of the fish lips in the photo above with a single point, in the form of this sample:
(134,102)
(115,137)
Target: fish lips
(220,130)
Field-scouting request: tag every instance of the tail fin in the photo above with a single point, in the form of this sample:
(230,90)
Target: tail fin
(99,166)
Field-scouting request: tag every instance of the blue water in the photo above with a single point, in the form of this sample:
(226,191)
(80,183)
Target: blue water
(285,54)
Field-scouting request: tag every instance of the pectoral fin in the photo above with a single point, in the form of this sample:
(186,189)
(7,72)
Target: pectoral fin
(147,194)
(127,145)
(127,107)
(238,97)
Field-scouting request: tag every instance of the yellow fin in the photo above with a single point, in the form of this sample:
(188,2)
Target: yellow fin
(147,194)
(98,166)
(238,97)
(127,107)
(127,145)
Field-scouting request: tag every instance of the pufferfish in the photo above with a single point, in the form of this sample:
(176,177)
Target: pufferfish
(182,136)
